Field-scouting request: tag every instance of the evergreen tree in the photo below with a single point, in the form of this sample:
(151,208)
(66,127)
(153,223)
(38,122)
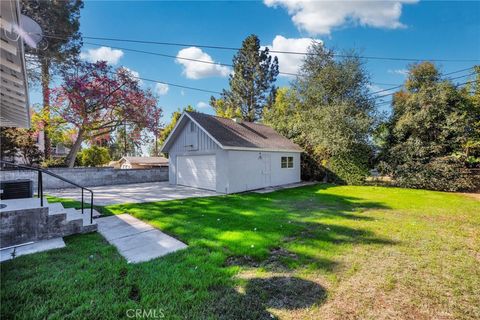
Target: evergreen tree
(252,81)
(224,110)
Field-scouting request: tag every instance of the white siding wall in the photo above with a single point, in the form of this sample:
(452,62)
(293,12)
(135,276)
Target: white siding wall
(180,147)
(204,141)
(247,172)
(237,171)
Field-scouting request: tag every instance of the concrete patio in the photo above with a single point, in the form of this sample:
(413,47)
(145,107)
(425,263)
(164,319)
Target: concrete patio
(133,193)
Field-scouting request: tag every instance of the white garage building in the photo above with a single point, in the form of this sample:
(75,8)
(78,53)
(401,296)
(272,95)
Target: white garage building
(229,156)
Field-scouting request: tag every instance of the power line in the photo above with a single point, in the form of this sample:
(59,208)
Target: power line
(162,82)
(391,94)
(214,63)
(177,44)
(176,85)
(272,51)
(198,60)
(177,57)
(445,74)
(220,63)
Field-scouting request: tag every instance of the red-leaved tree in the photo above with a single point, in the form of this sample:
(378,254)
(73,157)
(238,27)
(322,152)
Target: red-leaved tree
(96,100)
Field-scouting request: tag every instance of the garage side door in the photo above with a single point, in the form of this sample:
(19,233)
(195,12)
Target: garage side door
(197,171)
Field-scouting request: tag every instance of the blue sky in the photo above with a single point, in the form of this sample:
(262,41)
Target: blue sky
(406,28)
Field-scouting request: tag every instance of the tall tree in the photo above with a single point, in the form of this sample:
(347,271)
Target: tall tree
(155,129)
(60,23)
(329,113)
(252,83)
(431,123)
(225,110)
(472,145)
(97,100)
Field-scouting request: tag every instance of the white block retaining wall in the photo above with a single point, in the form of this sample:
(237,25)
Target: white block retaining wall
(89,177)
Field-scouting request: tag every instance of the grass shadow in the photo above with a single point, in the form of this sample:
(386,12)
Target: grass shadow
(283,292)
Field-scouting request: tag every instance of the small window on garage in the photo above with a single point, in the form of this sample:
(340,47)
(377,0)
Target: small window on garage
(286,162)
(192,127)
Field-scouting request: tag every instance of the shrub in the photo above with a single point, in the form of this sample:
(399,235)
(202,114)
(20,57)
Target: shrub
(443,174)
(54,163)
(339,170)
(348,170)
(94,156)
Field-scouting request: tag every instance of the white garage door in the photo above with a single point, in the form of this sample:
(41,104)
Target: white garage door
(197,171)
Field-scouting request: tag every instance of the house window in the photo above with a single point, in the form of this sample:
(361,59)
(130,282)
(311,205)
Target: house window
(192,127)
(287,162)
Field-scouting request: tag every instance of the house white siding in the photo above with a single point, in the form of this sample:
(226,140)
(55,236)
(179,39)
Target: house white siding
(198,136)
(249,170)
(235,170)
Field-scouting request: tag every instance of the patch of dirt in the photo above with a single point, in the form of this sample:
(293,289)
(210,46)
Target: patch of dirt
(275,261)
(123,272)
(475,196)
(134,293)
(243,261)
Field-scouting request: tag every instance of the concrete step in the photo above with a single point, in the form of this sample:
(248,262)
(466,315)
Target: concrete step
(24,220)
(55,208)
(22,204)
(74,216)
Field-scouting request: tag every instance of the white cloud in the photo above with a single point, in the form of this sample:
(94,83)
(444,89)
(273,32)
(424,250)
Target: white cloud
(290,63)
(108,54)
(161,89)
(319,17)
(202,105)
(402,72)
(198,70)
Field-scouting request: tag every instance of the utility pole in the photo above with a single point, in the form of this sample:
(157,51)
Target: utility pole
(125,137)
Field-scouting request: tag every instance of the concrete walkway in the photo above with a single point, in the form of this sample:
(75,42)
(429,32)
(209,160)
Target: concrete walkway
(286,186)
(133,193)
(31,247)
(136,240)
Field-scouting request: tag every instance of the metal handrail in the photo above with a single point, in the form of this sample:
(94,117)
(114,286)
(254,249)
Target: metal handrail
(40,184)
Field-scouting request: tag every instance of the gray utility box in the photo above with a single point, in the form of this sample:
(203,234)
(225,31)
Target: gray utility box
(16,189)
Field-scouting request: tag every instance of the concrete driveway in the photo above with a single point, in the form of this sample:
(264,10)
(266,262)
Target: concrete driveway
(133,193)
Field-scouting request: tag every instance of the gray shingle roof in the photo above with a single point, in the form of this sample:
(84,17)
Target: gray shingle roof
(244,134)
(146,160)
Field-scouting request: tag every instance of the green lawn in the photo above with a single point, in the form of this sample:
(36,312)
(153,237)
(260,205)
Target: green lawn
(321,252)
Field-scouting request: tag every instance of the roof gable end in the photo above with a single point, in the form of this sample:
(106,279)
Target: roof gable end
(179,127)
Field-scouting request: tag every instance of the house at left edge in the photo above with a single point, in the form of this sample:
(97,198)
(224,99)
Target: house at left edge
(27,223)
